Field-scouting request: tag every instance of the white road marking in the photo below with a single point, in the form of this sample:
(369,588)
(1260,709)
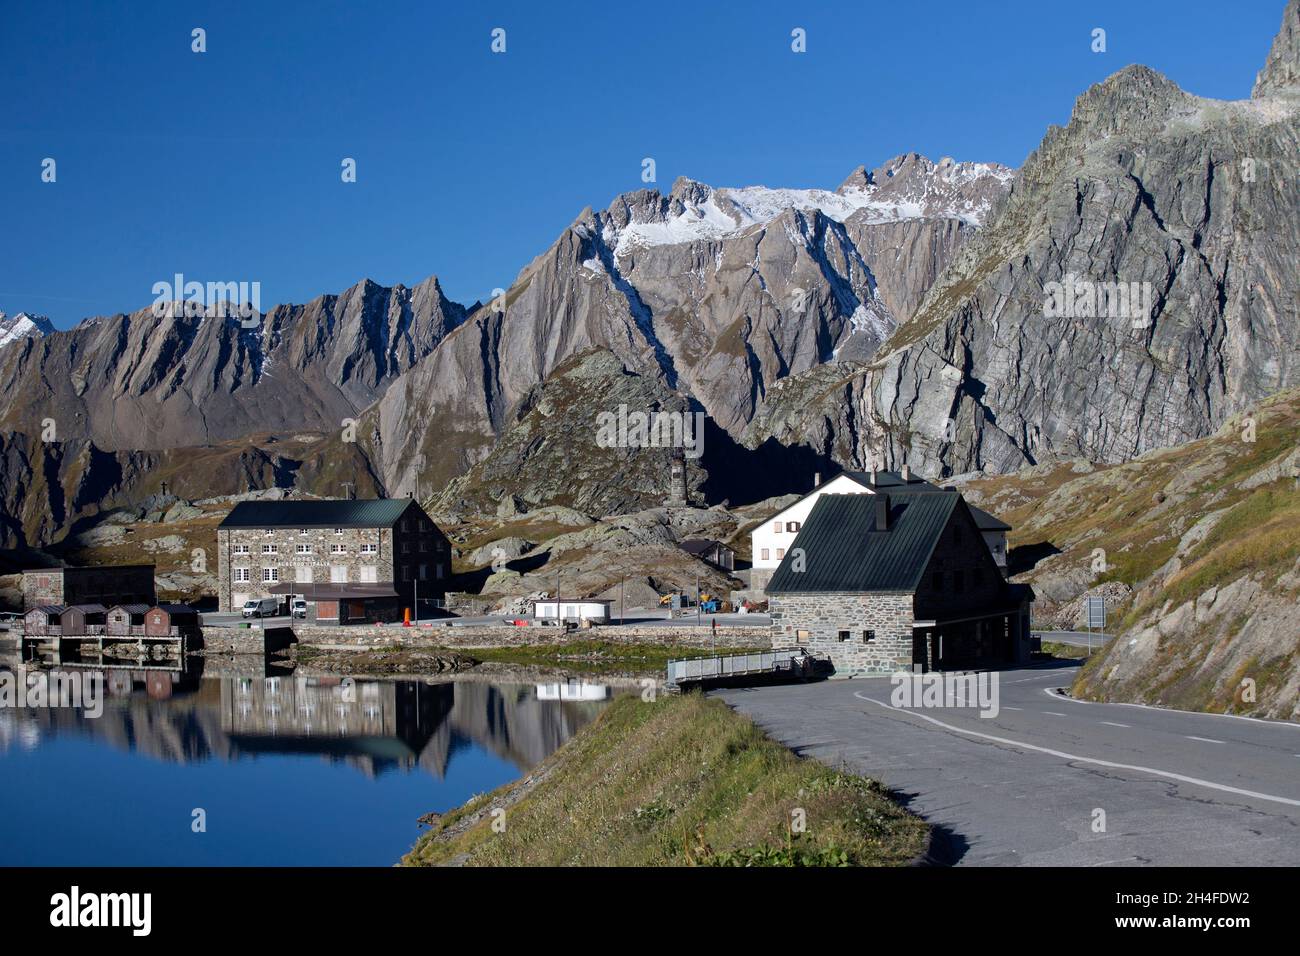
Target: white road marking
(1208,740)
(1012,708)
(1111,723)
(1195,781)
(1054,713)
(1168,710)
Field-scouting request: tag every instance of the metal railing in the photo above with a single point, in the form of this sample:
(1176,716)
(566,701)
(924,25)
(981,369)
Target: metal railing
(734,665)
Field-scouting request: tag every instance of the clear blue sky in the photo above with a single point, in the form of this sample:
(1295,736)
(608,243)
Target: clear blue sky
(225,165)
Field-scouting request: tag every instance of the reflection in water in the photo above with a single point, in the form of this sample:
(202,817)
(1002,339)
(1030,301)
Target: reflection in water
(181,714)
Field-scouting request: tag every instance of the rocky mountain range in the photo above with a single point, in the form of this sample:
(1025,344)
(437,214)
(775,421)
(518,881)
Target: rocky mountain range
(959,317)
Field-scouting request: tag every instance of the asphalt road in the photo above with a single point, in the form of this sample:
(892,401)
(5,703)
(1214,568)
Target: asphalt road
(1023,788)
(1075,638)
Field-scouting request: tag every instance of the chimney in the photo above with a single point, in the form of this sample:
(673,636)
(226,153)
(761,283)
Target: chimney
(906,473)
(817,479)
(882,512)
(873,476)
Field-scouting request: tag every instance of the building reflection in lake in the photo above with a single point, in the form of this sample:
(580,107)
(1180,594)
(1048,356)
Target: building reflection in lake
(183,715)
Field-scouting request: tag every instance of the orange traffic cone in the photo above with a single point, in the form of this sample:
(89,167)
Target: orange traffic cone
(406,618)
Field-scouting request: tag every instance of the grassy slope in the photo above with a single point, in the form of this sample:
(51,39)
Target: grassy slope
(678,781)
(1139,513)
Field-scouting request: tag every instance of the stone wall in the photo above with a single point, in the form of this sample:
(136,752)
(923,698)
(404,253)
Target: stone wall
(825,619)
(243,640)
(470,637)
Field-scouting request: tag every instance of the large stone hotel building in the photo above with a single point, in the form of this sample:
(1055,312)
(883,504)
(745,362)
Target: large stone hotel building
(351,560)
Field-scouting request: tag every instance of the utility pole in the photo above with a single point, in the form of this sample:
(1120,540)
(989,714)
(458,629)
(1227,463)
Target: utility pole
(620,599)
(698,622)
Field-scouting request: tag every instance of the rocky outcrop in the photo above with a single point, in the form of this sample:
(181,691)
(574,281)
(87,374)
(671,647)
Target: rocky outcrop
(1188,200)
(144,382)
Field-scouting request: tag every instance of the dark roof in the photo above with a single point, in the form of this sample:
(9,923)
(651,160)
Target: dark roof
(174,608)
(47,609)
(700,545)
(132,608)
(86,608)
(340,513)
(892,482)
(844,551)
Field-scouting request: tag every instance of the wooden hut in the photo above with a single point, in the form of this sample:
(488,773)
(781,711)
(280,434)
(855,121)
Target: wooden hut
(170,620)
(43,621)
(126,619)
(83,619)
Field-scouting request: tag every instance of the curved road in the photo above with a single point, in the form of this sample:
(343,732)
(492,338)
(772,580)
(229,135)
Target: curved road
(1024,787)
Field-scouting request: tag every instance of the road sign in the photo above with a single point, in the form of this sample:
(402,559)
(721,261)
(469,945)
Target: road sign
(1096,611)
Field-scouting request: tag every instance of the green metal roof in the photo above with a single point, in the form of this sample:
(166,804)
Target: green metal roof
(843,550)
(342,513)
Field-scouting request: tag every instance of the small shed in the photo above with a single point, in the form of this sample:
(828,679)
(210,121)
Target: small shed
(713,552)
(166,620)
(121,619)
(83,619)
(45,619)
(573,610)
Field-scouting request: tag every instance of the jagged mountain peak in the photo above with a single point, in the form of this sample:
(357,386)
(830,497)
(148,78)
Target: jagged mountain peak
(1281,72)
(22,326)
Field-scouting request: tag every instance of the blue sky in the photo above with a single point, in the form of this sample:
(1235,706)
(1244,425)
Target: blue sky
(225,165)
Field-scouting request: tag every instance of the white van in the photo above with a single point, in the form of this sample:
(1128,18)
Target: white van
(266,607)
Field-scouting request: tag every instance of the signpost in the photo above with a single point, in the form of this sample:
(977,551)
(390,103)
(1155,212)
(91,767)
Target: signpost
(1095,609)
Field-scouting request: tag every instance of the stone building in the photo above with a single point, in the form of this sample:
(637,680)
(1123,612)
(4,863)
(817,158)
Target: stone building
(771,538)
(106,584)
(352,560)
(884,581)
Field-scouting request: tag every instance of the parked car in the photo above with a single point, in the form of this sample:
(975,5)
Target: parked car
(299,608)
(266,607)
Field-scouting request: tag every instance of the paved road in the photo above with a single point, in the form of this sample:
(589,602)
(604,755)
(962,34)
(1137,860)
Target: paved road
(1075,638)
(1021,788)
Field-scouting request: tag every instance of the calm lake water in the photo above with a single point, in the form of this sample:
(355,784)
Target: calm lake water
(290,770)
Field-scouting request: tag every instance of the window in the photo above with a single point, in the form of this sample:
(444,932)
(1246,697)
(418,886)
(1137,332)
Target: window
(438,570)
(802,637)
(270,574)
(767,555)
(242,574)
(369,574)
(338,530)
(424,546)
(780,553)
(302,531)
(339,573)
(406,572)
(868,637)
(270,549)
(793,526)
(304,574)
(240,549)
(338,549)
(424,525)
(268,532)
(844,636)
(936,580)
(370,549)
(424,572)
(776,526)
(406,525)
(406,547)
(302,549)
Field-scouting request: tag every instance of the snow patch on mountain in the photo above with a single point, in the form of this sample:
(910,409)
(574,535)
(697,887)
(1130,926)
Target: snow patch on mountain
(22,326)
